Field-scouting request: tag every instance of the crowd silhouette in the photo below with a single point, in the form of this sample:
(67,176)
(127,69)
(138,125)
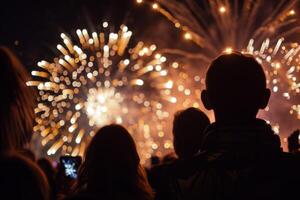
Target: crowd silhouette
(236,157)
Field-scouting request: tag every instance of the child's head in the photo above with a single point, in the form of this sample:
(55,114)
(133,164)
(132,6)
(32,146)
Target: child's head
(235,86)
(188,131)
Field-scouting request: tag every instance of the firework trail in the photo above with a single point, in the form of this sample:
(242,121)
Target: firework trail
(215,25)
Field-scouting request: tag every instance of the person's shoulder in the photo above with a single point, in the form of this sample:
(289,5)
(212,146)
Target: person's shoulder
(158,175)
(290,160)
(291,156)
(161,169)
(183,168)
(207,158)
(82,196)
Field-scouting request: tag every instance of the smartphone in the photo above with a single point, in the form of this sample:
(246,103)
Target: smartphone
(70,165)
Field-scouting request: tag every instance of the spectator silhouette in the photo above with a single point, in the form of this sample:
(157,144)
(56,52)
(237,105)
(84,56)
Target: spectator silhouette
(188,129)
(112,169)
(20,178)
(241,156)
(16,103)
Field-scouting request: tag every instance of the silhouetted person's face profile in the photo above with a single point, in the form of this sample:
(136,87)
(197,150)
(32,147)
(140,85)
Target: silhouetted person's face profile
(188,128)
(235,87)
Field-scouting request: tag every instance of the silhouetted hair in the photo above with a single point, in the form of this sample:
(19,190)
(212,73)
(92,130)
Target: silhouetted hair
(188,128)
(20,178)
(16,103)
(112,166)
(28,153)
(236,82)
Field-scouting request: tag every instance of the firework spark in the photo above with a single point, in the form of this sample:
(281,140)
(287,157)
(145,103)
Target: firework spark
(215,25)
(282,68)
(262,28)
(101,80)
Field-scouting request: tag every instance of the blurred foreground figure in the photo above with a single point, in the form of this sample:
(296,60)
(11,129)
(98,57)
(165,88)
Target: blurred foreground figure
(112,169)
(20,177)
(16,103)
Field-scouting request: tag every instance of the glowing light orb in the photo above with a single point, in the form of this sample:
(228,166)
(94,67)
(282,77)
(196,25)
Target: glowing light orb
(222,9)
(228,50)
(103,106)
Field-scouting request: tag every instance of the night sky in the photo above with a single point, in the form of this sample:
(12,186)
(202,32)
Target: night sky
(32,28)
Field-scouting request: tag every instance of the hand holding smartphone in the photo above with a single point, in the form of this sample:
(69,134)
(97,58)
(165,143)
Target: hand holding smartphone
(70,165)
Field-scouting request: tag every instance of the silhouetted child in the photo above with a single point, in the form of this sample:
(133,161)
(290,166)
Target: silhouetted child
(241,156)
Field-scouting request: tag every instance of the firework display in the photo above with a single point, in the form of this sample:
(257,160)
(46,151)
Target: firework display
(100,80)
(104,77)
(266,29)
(282,70)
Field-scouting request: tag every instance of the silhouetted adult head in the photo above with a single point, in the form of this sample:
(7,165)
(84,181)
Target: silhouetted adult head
(235,87)
(20,178)
(112,166)
(188,127)
(16,103)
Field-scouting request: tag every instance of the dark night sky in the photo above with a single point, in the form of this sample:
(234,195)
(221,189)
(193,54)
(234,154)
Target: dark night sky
(36,25)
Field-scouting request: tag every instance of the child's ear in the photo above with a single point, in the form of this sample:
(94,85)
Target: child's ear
(265,98)
(205,100)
